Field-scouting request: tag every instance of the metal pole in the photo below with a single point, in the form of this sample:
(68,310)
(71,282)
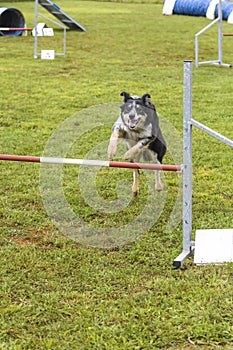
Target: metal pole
(220,36)
(196,51)
(187,167)
(220,32)
(213,133)
(35,35)
(187,157)
(64,43)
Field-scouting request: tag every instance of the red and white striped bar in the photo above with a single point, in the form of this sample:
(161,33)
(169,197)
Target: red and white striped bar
(6,29)
(89,162)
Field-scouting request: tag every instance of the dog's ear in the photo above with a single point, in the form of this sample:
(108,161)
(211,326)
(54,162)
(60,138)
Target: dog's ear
(146,101)
(126,96)
(145,98)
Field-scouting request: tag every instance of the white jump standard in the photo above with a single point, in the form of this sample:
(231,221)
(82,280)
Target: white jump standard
(188,122)
(219,61)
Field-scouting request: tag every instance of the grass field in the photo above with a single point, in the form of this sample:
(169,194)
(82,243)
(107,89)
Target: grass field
(60,293)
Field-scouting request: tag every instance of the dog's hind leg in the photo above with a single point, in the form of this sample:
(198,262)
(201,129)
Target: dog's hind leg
(159,186)
(136,178)
(148,155)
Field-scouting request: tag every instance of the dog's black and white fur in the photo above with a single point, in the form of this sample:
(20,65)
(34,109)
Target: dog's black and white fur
(138,126)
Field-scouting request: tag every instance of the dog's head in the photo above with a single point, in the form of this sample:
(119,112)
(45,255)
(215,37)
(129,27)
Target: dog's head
(135,110)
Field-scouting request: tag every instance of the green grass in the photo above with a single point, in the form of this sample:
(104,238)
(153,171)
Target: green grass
(57,293)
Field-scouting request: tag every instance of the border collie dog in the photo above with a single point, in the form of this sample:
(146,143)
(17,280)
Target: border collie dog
(138,126)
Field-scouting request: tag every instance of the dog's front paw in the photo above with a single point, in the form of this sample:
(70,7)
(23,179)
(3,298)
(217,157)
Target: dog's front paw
(131,153)
(159,186)
(128,155)
(112,149)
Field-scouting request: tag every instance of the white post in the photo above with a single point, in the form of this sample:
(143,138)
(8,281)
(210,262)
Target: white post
(35,35)
(187,157)
(188,246)
(196,51)
(64,42)
(220,32)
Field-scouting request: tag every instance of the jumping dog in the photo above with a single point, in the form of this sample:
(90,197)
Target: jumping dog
(138,126)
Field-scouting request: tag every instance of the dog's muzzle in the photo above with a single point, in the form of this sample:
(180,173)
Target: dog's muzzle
(133,123)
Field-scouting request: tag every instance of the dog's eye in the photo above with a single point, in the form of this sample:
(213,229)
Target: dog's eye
(128,107)
(139,108)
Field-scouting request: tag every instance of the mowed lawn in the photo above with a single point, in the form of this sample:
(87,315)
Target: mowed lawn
(83,265)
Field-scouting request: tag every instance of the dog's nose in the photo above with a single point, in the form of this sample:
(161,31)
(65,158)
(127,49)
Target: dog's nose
(131,114)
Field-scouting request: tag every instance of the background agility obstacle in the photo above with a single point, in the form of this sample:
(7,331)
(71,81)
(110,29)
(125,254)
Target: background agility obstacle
(216,10)
(203,8)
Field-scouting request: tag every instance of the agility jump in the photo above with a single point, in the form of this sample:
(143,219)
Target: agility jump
(188,245)
(89,162)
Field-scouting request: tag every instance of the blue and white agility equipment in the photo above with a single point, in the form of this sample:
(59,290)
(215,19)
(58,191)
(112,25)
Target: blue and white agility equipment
(203,8)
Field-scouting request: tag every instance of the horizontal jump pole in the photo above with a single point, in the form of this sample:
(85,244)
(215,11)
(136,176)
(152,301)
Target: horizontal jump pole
(9,29)
(88,162)
(227,34)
